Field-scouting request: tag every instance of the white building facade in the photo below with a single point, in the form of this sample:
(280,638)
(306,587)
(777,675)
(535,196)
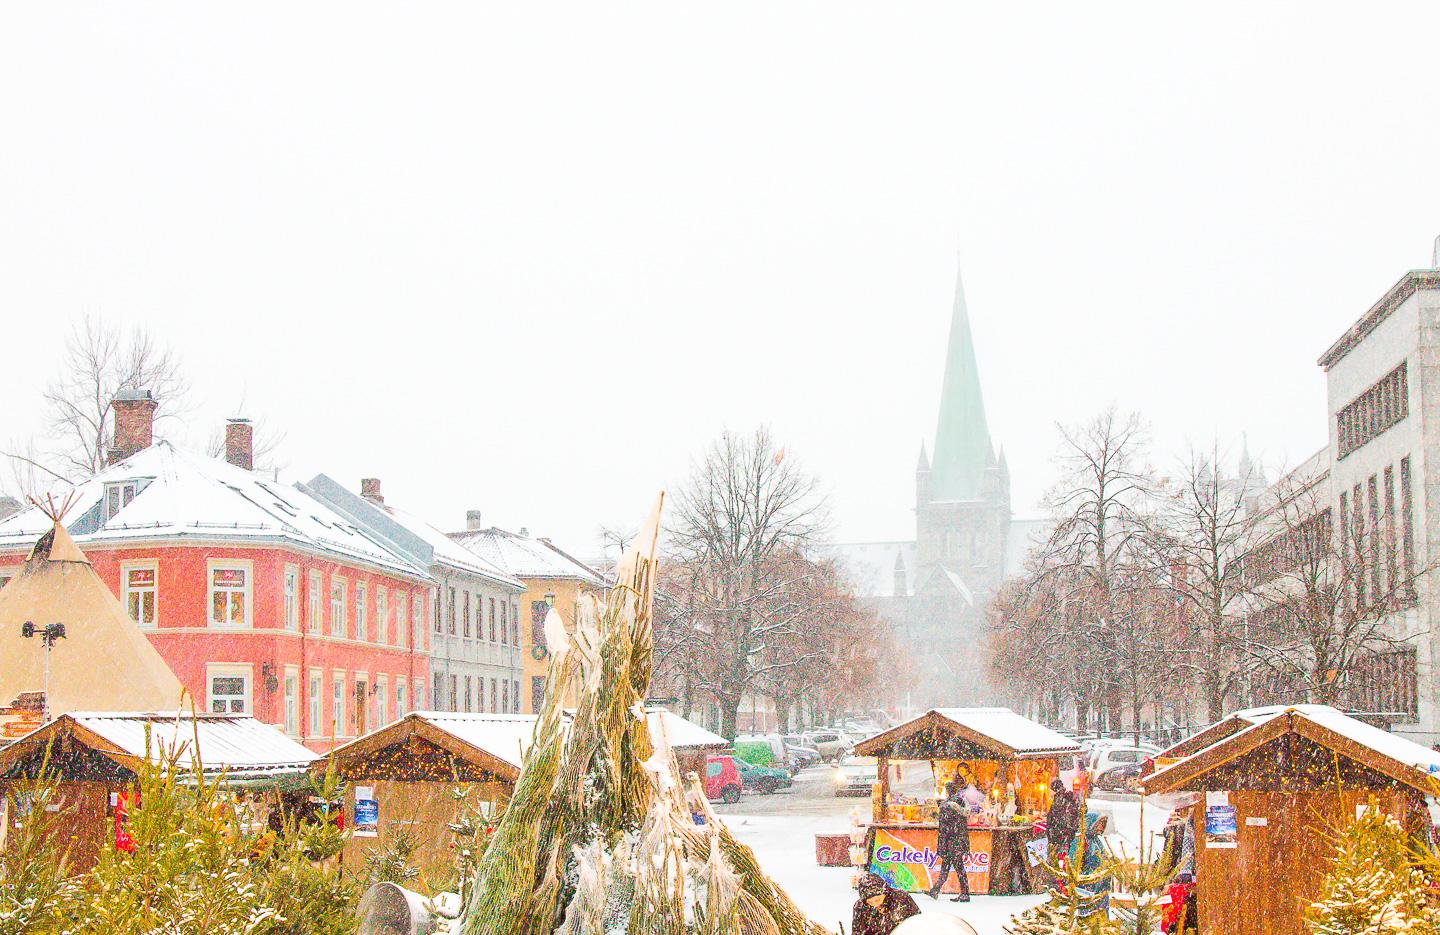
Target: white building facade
(1383,393)
(475,656)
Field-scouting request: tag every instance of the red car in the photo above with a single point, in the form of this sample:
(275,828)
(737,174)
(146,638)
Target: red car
(722,779)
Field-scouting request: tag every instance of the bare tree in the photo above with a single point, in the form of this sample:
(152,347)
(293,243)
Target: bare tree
(100,360)
(1202,528)
(1328,592)
(745,515)
(1097,532)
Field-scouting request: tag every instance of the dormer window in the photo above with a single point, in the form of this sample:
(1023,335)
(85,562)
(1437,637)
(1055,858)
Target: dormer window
(118,496)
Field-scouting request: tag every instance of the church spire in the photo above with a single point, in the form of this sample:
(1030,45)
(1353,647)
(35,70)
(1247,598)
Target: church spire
(962,440)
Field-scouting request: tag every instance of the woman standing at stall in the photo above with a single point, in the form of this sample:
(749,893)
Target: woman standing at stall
(953,844)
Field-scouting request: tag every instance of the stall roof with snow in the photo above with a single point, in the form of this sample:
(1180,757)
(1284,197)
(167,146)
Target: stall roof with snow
(684,736)
(429,746)
(109,746)
(968,733)
(1298,748)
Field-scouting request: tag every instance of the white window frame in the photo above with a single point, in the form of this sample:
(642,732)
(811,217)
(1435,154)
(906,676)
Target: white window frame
(314,606)
(153,567)
(338,687)
(382,701)
(290,589)
(118,496)
(417,695)
(402,619)
(361,678)
(362,621)
(399,697)
(339,594)
(382,610)
(248,567)
(226,670)
(417,621)
(316,699)
(291,688)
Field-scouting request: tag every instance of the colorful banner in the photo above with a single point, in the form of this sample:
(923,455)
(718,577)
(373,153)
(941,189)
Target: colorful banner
(908,860)
(1220,830)
(367,812)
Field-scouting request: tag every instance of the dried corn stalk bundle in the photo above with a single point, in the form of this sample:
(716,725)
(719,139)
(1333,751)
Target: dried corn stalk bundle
(601,836)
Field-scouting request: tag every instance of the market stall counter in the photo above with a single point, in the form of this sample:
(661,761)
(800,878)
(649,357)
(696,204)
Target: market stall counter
(1008,761)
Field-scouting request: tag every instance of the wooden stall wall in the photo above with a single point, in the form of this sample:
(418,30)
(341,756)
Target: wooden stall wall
(422,810)
(1284,844)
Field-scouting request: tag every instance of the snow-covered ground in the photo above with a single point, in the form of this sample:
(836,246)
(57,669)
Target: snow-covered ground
(785,845)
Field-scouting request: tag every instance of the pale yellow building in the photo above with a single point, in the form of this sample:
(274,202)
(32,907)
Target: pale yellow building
(552,578)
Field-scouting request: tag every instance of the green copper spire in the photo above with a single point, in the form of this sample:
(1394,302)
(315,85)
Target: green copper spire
(962,441)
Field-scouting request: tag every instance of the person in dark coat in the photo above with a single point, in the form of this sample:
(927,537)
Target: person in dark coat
(880,907)
(953,844)
(1062,821)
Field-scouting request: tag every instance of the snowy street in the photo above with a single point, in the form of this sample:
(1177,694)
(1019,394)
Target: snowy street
(781,829)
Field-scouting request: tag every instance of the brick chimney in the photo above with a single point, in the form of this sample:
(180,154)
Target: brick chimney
(472,521)
(370,489)
(240,443)
(134,423)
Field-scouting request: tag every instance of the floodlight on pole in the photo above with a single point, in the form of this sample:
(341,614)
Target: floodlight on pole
(48,635)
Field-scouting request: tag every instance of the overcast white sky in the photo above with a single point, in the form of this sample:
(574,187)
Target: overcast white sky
(531,258)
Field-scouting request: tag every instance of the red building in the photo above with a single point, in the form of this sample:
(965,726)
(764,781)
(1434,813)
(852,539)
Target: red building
(261,599)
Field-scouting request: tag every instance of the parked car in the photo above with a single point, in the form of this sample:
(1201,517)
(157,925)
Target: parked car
(763,779)
(831,743)
(1103,758)
(855,775)
(1122,778)
(762,750)
(800,753)
(722,779)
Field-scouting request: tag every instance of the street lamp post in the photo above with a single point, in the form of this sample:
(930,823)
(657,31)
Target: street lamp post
(48,635)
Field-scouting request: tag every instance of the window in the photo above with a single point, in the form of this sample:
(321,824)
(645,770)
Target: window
(400,623)
(454,691)
(382,609)
(312,603)
(465,616)
(514,623)
(494,696)
(1374,534)
(438,602)
(229,689)
(492,619)
(1391,568)
(1373,411)
(292,703)
(450,610)
(361,694)
(337,606)
(138,587)
(515,696)
(1386,683)
(504,695)
(292,598)
(504,620)
(1407,531)
(337,706)
(118,496)
(399,698)
(316,727)
(437,692)
(229,595)
(538,610)
(362,623)
(417,620)
(417,695)
(468,696)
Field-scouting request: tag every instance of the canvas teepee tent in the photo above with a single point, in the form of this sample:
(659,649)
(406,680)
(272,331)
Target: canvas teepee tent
(104,663)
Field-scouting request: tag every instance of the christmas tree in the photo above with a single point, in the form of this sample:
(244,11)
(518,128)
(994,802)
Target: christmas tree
(1376,883)
(1077,900)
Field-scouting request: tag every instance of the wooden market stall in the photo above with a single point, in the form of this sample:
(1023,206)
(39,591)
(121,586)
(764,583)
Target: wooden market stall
(93,758)
(1274,792)
(691,742)
(1005,755)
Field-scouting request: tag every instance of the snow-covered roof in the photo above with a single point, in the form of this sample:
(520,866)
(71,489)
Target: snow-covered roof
(406,533)
(1015,731)
(238,745)
(683,734)
(186,496)
(526,557)
(1397,750)
(999,729)
(958,583)
(504,736)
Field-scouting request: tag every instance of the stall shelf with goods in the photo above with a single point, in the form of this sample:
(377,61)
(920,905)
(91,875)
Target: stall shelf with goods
(93,757)
(1271,789)
(1008,758)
